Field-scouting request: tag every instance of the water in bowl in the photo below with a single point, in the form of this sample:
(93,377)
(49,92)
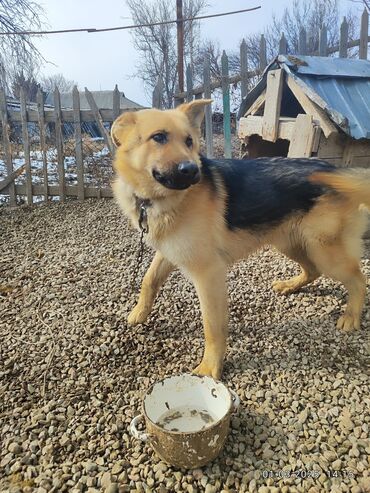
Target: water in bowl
(186,419)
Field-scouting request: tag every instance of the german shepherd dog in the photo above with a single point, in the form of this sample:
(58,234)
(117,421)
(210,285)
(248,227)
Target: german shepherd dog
(201,215)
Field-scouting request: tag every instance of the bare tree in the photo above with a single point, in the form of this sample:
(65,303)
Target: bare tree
(18,51)
(26,81)
(157,44)
(50,82)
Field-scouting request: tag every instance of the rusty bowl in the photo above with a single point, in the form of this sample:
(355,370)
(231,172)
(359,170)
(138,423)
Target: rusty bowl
(187,419)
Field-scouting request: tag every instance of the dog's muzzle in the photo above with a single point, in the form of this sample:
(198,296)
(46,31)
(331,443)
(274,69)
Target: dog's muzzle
(180,177)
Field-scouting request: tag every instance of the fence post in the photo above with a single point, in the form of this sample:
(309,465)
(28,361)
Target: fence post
(283,45)
(364,33)
(323,41)
(116,102)
(157,94)
(343,39)
(7,147)
(189,83)
(243,69)
(41,117)
(263,55)
(226,104)
(59,144)
(208,109)
(302,42)
(26,146)
(78,143)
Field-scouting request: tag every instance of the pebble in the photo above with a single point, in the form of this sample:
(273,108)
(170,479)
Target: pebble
(297,410)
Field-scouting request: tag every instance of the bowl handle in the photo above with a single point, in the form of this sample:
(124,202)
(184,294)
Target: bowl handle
(144,437)
(235,400)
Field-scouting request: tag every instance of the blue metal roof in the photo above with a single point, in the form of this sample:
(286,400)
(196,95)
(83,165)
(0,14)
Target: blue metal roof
(340,86)
(343,84)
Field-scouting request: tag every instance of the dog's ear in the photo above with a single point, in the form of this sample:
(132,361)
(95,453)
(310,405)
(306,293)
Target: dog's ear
(195,111)
(122,126)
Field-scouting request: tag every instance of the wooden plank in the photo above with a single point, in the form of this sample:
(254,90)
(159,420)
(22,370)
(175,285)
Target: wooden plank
(252,125)
(362,53)
(316,138)
(189,84)
(311,108)
(263,54)
(302,42)
(26,146)
(7,146)
(116,102)
(243,69)
(258,103)
(323,41)
(78,143)
(226,104)
(40,109)
(283,45)
(9,180)
(303,136)
(70,191)
(343,39)
(59,144)
(99,120)
(274,91)
(208,108)
(67,115)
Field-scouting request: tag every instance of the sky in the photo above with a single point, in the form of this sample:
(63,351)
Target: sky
(101,60)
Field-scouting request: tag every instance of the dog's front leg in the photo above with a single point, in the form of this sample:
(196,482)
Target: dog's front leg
(210,284)
(156,275)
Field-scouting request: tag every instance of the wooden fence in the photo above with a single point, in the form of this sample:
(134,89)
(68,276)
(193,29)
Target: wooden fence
(40,116)
(244,76)
(31,114)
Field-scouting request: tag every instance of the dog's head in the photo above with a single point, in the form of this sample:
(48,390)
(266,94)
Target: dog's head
(158,151)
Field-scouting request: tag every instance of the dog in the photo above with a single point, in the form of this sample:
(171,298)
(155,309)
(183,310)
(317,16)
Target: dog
(201,215)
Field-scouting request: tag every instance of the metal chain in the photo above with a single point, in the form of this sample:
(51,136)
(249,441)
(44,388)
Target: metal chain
(144,229)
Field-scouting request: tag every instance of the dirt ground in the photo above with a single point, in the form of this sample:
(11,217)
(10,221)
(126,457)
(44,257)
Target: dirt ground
(72,373)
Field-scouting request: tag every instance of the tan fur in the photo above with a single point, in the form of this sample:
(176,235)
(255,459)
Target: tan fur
(188,230)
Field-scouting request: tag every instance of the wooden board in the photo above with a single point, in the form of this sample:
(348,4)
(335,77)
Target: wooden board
(26,147)
(7,146)
(312,108)
(252,110)
(40,109)
(99,120)
(271,113)
(78,143)
(303,137)
(70,191)
(253,125)
(59,144)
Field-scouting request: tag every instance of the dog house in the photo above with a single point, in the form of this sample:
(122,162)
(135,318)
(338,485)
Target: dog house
(309,106)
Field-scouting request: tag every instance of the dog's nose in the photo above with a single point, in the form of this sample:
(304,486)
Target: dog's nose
(189,169)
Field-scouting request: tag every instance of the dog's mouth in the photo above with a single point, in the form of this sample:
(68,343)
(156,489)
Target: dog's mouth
(181,178)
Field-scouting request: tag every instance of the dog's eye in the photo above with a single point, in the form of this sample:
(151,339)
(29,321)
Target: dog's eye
(160,138)
(189,141)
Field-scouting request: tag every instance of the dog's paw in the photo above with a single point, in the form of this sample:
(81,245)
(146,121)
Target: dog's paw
(207,370)
(348,322)
(138,315)
(283,287)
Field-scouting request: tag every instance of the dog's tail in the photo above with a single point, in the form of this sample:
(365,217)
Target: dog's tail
(353,183)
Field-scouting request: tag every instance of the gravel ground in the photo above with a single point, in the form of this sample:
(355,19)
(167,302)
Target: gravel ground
(73,373)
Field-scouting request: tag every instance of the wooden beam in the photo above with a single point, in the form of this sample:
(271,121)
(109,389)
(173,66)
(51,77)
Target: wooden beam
(252,110)
(252,125)
(271,113)
(99,120)
(26,146)
(7,146)
(10,178)
(312,108)
(59,144)
(70,191)
(78,142)
(40,109)
(303,137)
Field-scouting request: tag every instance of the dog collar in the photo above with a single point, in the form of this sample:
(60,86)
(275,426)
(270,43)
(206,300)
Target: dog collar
(141,207)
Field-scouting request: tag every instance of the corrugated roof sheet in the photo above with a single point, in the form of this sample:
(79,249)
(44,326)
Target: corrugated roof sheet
(342,86)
